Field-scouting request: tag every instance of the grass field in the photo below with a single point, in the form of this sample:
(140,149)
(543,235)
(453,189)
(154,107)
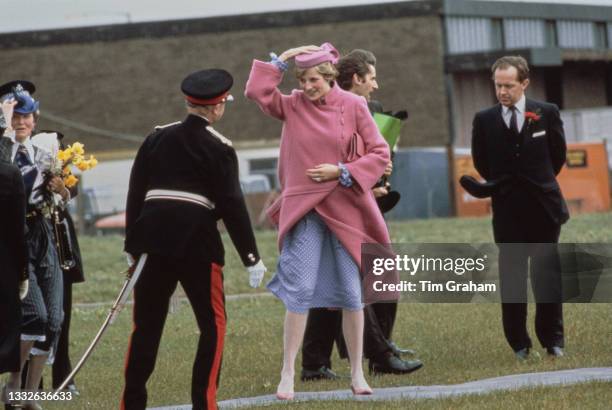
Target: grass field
(104,259)
(457,342)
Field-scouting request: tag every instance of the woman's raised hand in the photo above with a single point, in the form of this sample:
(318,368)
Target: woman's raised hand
(8,106)
(292,52)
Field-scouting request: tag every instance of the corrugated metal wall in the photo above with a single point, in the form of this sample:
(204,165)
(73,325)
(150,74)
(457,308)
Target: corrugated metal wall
(524,33)
(468,34)
(576,34)
(475,34)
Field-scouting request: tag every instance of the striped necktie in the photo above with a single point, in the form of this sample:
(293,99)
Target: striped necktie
(27,168)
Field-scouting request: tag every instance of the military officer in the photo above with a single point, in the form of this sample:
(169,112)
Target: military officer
(185,178)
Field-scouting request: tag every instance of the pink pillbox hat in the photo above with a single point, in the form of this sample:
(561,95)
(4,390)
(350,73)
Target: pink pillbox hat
(327,53)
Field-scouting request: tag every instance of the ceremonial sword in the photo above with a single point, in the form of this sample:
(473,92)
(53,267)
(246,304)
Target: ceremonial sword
(131,276)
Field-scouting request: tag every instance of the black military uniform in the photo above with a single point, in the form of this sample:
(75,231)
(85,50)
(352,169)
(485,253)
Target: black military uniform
(184,178)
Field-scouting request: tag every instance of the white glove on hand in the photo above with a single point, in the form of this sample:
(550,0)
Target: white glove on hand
(23,289)
(130,259)
(256,274)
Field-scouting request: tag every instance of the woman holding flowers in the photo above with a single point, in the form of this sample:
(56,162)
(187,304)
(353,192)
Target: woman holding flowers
(42,306)
(326,209)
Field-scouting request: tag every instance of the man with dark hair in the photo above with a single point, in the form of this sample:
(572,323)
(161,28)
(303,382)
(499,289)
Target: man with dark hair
(357,74)
(184,179)
(521,142)
(362,64)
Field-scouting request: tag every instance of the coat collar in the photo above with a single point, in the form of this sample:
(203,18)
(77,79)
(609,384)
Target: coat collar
(194,120)
(333,97)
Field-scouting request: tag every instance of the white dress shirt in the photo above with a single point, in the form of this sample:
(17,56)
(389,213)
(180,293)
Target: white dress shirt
(27,143)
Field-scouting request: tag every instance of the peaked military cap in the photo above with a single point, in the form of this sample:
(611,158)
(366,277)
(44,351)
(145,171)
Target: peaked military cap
(208,87)
(20,90)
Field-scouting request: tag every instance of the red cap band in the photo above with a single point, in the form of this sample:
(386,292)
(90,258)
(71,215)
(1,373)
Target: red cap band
(210,101)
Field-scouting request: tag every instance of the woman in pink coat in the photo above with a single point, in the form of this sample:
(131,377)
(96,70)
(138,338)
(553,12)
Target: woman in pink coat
(331,154)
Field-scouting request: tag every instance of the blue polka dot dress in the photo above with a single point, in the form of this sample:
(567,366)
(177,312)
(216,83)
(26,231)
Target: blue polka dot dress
(315,270)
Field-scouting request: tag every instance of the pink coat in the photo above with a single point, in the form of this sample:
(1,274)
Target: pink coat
(315,133)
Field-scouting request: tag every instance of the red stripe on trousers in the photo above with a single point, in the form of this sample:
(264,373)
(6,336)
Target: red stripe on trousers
(216,299)
(129,350)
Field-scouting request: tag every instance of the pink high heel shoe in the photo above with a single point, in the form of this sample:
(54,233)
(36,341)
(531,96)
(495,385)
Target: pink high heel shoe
(285,396)
(361,392)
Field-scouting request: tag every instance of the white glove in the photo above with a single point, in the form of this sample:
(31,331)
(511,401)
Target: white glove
(256,274)
(8,106)
(23,289)
(130,259)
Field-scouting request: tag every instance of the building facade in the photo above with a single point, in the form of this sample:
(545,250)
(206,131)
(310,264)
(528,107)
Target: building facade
(108,86)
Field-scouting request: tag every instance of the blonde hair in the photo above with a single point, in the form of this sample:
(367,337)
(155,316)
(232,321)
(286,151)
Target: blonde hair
(326,69)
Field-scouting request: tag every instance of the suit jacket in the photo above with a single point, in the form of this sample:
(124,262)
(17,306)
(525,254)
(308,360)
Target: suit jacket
(75,274)
(13,263)
(187,157)
(532,161)
(42,159)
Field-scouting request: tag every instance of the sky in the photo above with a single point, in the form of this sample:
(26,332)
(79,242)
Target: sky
(29,15)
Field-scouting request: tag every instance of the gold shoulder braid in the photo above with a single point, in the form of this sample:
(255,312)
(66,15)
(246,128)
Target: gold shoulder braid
(218,135)
(159,127)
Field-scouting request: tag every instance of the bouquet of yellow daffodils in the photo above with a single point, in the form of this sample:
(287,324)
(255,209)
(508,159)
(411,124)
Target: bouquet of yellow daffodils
(74,155)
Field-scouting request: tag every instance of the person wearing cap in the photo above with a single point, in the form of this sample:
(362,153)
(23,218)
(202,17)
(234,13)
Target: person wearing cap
(357,74)
(42,306)
(326,209)
(184,179)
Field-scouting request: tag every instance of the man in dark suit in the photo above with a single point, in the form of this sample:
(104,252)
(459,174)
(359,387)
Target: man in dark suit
(357,74)
(521,142)
(13,259)
(184,179)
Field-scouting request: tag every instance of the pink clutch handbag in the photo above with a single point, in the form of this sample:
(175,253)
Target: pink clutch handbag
(356,148)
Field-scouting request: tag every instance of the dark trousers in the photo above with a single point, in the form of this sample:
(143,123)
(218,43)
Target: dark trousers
(10,319)
(41,309)
(324,326)
(527,238)
(62,366)
(203,284)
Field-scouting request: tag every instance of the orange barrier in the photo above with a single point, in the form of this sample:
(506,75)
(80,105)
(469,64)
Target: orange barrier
(116,221)
(584,180)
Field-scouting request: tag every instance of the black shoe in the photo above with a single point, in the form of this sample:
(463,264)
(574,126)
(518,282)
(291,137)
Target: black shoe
(555,351)
(70,388)
(391,364)
(522,354)
(398,351)
(525,354)
(323,373)
(73,389)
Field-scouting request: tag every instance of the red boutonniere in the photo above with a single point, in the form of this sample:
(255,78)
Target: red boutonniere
(532,116)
